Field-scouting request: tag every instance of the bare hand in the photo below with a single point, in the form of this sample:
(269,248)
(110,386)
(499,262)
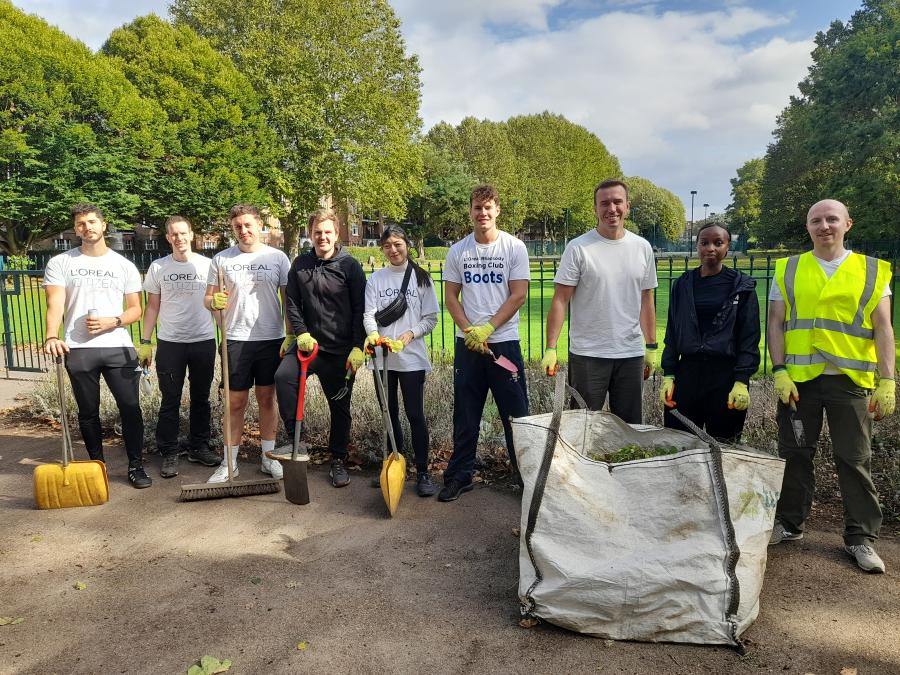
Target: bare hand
(100,324)
(55,347)
(406,337)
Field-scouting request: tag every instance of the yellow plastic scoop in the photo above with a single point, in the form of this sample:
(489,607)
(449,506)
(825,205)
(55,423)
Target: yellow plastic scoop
(392,479)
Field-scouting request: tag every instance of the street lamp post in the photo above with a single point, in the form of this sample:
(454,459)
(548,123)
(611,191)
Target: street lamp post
(691,230)
(705,212)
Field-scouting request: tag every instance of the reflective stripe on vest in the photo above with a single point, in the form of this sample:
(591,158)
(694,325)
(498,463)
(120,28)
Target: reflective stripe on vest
(821,357)
(855,329)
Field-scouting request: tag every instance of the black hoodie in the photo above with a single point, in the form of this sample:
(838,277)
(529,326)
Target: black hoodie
(734,333)
(326,298)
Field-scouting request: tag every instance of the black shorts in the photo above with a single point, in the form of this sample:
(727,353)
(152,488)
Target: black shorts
(253,362)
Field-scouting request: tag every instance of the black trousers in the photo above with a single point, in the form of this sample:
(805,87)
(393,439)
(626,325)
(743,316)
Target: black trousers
(118,366)
(330,369)
(412,386)
(594,377)
(173,361)
(701,394)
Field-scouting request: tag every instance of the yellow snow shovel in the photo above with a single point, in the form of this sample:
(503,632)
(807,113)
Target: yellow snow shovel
(393,467)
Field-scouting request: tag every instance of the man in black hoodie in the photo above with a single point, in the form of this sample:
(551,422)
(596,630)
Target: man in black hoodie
(325,302)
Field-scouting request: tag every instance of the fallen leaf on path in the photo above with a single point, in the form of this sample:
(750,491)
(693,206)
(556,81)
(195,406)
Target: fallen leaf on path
(10,621)
(37,538)
(79,585)
(529,622)
(515,532)
(255,580)
(209,665)
(849,670)
(302,646)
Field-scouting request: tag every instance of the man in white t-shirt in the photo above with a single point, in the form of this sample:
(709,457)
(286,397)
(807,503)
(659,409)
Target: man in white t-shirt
(185,341)
(255,276)
(490,269)
(608,274)
(88,286)
(829,331)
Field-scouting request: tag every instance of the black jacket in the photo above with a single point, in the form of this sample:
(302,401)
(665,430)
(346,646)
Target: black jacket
(735,332)
(326,299)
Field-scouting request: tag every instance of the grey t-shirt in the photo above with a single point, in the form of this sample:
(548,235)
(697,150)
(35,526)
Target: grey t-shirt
(253,281)
(181,287)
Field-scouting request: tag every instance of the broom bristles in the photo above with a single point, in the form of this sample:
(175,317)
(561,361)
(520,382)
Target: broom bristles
(190,493)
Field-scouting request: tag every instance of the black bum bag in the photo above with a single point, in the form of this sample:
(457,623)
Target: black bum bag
(397,307)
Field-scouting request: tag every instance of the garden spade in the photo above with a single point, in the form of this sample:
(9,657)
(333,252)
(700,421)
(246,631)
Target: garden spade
(797,426)
(504,363)
(393,467)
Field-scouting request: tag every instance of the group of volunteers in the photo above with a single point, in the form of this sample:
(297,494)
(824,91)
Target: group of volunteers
(829,334)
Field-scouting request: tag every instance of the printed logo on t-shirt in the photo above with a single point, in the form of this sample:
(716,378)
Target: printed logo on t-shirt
(85,277)
(183,281)
(483,269)
(242,273)
(391,293)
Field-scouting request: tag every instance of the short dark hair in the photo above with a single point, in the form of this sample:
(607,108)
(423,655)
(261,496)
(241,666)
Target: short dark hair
(171,220)
(608,183)
(83,208)
(242,210)
(484,193)
(713,223)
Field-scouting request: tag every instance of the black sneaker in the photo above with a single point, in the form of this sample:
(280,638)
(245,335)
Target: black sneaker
(169,468)
(138,477)
(204,456)
(338,474)
(425,487)
(452,489)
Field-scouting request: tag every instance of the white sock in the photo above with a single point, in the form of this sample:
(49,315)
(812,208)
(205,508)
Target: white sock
(231,452)
(267,446)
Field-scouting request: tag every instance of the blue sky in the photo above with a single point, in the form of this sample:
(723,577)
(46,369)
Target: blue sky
(681,92)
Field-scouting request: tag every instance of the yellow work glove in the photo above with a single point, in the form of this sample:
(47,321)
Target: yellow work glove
(371,340)
(219,300)
(667,391)
(739,397)
(287,343)
(649,360)
(354,360)
(785,387)
(306,342)
(884,399)
(549,363)
(476,337)
(396,346)
(145,354)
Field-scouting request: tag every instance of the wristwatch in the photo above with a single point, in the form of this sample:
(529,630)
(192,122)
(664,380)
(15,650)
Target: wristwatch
(118,321)
(144,341)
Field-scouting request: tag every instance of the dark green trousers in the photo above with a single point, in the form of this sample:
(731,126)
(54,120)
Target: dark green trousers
(845,405)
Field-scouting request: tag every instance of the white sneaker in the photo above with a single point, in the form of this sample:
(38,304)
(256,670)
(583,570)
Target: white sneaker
(866,558)
(221,474)
(271,467)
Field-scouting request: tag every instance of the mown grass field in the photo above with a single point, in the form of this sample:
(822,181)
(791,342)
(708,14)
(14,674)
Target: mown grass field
(25,306)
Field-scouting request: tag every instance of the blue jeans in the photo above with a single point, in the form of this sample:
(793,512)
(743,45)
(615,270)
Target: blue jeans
(473,375)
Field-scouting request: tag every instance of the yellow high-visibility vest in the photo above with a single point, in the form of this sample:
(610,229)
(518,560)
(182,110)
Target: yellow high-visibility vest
(830,320)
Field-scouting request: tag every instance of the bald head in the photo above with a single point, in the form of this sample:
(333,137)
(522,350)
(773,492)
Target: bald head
(828,205)
(827,222)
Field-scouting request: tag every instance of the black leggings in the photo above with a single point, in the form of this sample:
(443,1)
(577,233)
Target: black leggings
(701,392)
(117,365)
(412,386)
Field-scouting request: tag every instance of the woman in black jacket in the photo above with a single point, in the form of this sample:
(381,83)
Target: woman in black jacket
(712,341)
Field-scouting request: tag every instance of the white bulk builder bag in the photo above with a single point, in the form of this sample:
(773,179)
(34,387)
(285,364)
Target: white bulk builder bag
(667,549)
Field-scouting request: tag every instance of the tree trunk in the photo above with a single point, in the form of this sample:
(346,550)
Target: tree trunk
(291,230)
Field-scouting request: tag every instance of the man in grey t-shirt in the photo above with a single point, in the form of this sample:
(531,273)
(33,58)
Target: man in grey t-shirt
(186,343)
(608,274)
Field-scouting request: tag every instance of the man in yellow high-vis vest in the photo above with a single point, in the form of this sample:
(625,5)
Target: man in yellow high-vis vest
(829,334)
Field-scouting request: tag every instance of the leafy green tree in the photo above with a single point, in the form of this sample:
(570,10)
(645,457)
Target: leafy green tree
(340,92)
(219,148)
(746,197)
(560,163)
(654,210)
(72,128)
(840,138)
(442,207)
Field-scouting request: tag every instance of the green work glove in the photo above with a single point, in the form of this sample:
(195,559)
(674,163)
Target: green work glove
(667,391)
(549,363)
(371,340)
(354,360)
(306,342)
(145,354)
(476,337)
(739,397)
(884,399)
(219,300)
(649,360)
(785,387)
(287,343)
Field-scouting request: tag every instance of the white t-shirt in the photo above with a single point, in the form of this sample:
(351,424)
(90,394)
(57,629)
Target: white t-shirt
(93,282)
(609,276)
(829,267)
(252,281)
(181,287)
(420,317)
(484,271)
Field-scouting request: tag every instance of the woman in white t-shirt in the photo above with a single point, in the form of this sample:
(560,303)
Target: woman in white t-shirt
(408,362)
